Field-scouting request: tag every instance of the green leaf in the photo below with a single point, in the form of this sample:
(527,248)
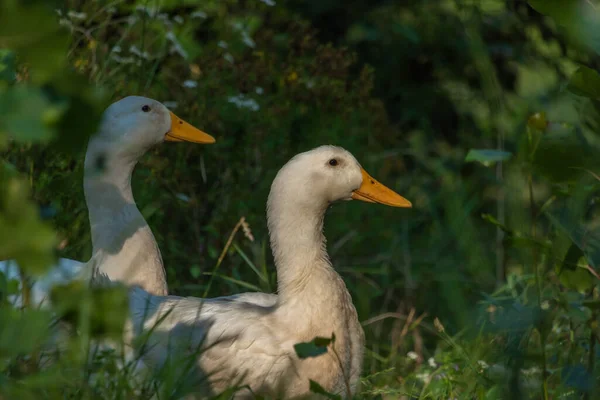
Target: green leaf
(21,332)
(492,220)
(586,239)
(23,235)
(33,32)
(195,271)
(77,300)
(7,66)
(592,304)
(27,114)
(573,273)
(316,388)
(581,18)
(314,348)
(572,258)
(487,157)
(563,154)
(562,11)
(585,82)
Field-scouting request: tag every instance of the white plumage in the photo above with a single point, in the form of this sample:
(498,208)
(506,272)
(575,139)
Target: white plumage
(248,339)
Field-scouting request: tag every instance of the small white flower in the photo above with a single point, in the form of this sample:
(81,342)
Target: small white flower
(178,19)
(259,90)
(190,84)
(242,102)
(176,45)
(531,371)
(133,49)
(77,15)
(424,376)
(183,197)
(545,305)
(122,60)
(228,57)
(247,40)
(222,44)
(412,355)
(199,14)
(482,364)
(116,49)
(432,362)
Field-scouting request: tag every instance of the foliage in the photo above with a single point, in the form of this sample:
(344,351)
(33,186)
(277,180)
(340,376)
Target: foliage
(486,289)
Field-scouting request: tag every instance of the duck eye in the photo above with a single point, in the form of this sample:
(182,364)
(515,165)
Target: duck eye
(146,108)
(333,162)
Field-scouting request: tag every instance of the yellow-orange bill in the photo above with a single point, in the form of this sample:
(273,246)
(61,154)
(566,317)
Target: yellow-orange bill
(181,131)
(374,192)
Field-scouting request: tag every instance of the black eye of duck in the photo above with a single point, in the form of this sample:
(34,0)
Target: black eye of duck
(333,162)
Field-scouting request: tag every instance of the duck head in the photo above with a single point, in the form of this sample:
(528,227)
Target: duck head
(328,174)
(137,123)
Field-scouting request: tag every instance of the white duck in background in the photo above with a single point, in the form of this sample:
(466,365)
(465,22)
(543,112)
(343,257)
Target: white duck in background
(124,247)
(248,339)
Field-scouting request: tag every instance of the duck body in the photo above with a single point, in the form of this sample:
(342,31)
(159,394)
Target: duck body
(248,339)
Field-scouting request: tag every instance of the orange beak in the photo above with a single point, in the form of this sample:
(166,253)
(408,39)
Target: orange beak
(181,131)
(372,191)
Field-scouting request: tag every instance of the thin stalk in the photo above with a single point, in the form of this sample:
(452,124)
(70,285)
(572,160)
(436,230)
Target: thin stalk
(538,284)
(592,352)
(222,256)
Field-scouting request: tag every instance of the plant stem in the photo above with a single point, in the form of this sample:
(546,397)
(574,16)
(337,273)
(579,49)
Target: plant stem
(222,256)
(592,353)
(538,285)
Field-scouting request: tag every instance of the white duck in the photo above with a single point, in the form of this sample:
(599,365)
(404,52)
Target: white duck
(124,247)
(248,339)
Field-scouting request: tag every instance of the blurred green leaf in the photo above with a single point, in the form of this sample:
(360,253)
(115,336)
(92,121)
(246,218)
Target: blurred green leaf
(578,278)
(492,220)
(585,238)
(105,308)
(563,154)
(7,66)
(585,82)
(195,271)
(33,32)
(562,11)
(23,235)
(572,258)
(26,114)
(592,304)
(22,331)
(581,18)
(487,157)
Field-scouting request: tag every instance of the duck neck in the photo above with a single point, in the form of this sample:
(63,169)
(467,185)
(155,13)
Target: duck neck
(124,247)
(298,246)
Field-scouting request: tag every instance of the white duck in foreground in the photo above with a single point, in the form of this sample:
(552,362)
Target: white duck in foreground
(248,339)
(124,247)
